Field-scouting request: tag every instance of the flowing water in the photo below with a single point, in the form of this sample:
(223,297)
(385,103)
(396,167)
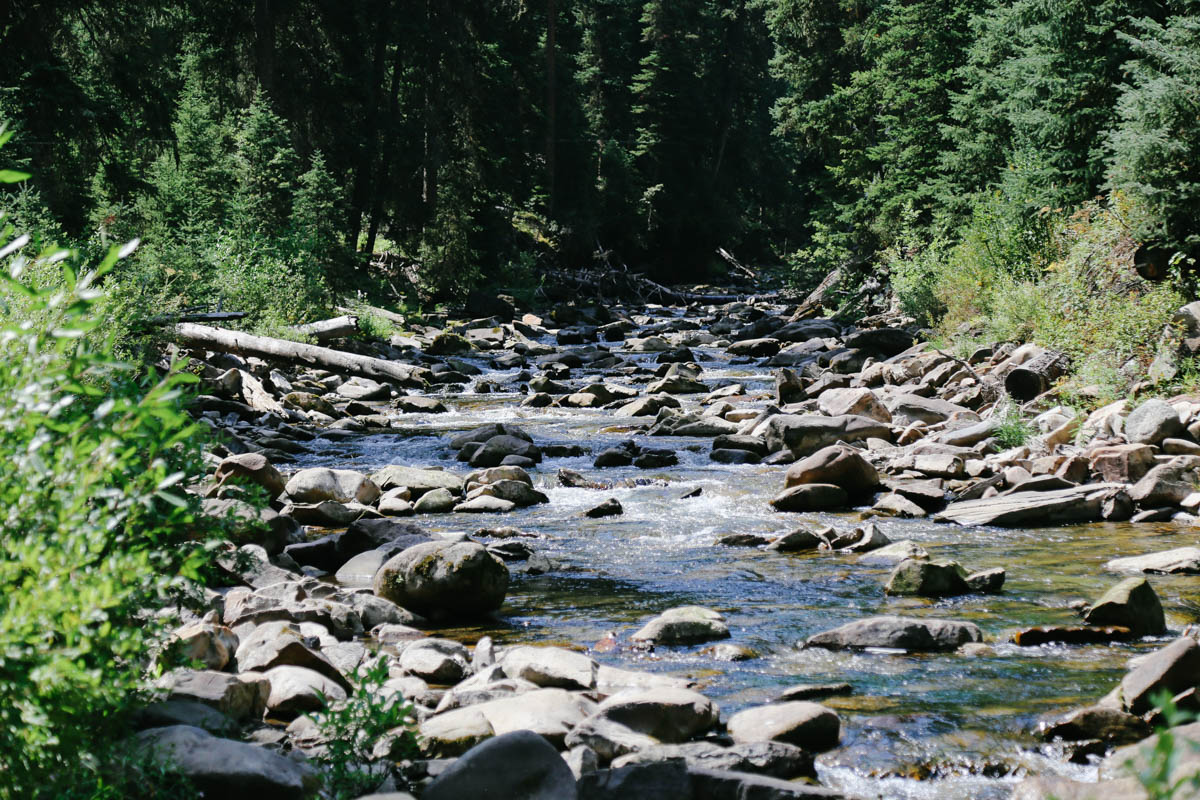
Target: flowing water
(916,726)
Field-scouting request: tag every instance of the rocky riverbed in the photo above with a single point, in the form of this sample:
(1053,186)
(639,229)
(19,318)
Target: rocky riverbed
(713,551)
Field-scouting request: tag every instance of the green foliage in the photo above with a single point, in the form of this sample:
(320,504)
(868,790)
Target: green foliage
(1014,430)
(354,730)
(914,265)
(375,327)
(96,525)
(1157,774)
(1155,147)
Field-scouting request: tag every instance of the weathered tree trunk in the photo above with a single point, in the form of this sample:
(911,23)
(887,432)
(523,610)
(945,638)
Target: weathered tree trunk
(327,330)
(1035,376)
(374,311)
(244,344)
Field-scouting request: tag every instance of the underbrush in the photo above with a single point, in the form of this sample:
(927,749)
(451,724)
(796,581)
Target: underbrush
(1061,280)
(94,523)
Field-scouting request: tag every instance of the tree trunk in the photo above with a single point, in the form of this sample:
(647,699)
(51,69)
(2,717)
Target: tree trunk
(244,344)
(327,330)
(1035,376)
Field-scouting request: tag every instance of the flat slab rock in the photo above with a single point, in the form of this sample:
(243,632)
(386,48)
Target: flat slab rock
(1181,559)
(902,633)
(1023,509)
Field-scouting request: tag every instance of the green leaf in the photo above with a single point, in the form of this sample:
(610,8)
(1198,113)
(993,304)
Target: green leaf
(12,176)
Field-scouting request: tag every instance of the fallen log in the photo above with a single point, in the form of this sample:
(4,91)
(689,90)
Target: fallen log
(1035,376)
(244,344)
(375,311)
(327,330)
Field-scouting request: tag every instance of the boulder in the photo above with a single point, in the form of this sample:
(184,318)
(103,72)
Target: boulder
(518,765)
(435,501)
(1133,604)
(683,626)
(811,497)
(668,715)
(1134,761)
(551,667)
(448,344)
(241,697)
(775,759)
(207,642)
(551,713)
(904,633)
(252,468)
(297,690)
(1166,484)
(496,449)
(841,466)
(859,402)
(797,541)
(1174,668)
(282,644)
(1022,509)
(662,780)
(1109,725)
(609,508)
(909,408)
(799,722)
(806,433)
(228,769)
(319,484)
(1122,463)
(1180,560)
(1151,422)
(443,580)
(417,481)
(987,581)
(927,579)
(438,661)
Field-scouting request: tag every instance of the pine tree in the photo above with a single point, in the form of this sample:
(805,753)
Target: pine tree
(267,167)
(1154,151)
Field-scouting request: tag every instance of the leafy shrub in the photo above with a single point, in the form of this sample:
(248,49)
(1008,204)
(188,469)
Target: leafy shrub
(1013,431)
(94,523)
(1156,775)
(355,729)
(914,265)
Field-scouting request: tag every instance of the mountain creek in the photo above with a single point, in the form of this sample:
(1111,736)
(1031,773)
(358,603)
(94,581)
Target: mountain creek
(688,530)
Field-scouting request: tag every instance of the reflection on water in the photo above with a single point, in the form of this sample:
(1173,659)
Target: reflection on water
(944,726)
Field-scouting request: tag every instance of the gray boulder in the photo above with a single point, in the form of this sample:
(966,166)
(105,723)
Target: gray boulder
(811,497)
(444,580)
(905,633)
(804,724)
(519,765)
(927,578)
(1175,668)
(669,715)
(684,625)
(551,667)
(319,484)
(1180,560)
(228,769)
(1133,604)
(806,433)
(439,661)
(1151,422)
(841,466)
